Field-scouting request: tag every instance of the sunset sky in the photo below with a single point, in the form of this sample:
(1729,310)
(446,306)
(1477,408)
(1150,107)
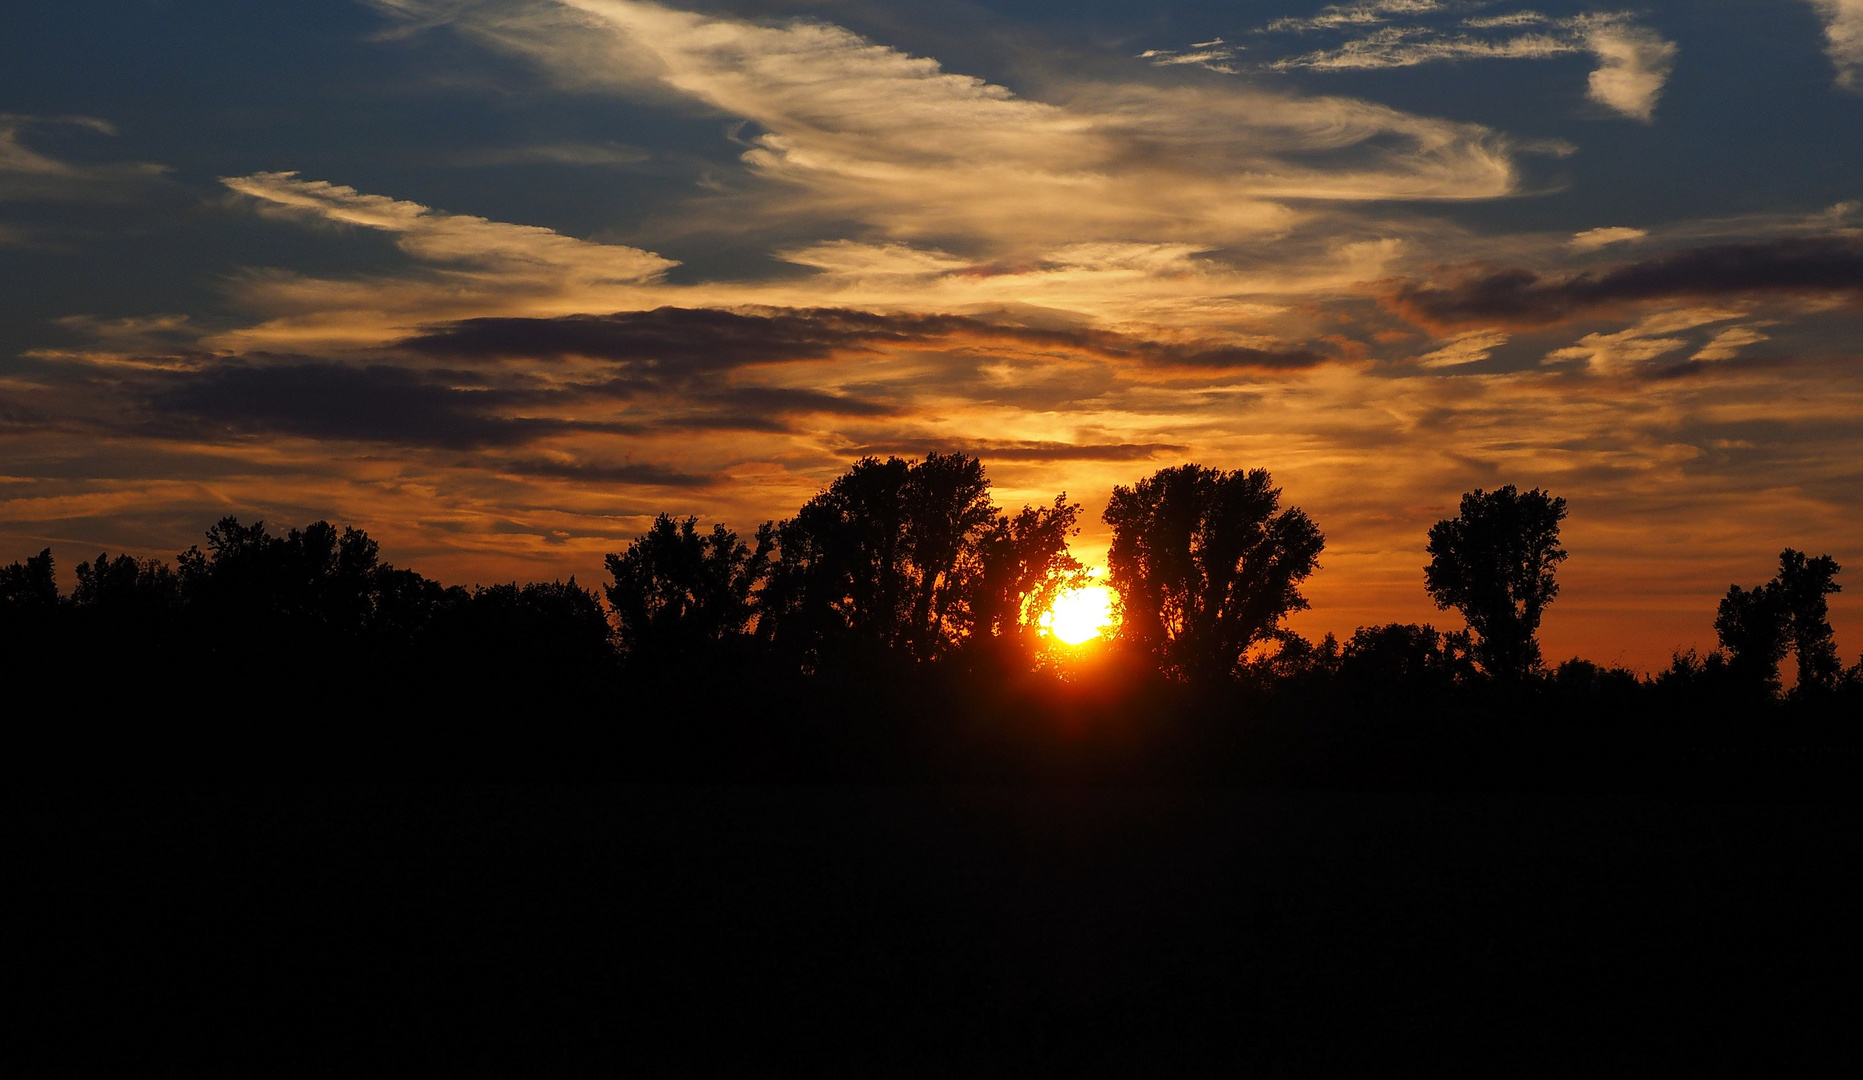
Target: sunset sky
(497,280)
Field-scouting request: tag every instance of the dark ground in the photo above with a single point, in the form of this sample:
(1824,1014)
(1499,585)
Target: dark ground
(924,931)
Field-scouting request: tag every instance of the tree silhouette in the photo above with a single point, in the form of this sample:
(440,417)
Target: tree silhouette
(132,603)
(126,587)
(1754,627)
(1025,565)
(1803,583)
(1403,656)
(677,590)
(1205,566)
(1759,626)
(1494,562)
(311,580)
(29,590)
(527,637)
(948,512)
(29,611)
(886,557)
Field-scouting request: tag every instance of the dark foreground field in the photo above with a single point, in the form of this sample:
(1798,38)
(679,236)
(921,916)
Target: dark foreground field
(924,931)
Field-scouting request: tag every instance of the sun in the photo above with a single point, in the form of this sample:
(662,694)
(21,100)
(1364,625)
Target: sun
(1080,615)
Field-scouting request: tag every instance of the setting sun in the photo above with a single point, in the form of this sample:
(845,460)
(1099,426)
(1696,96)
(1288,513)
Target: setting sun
(1081,615)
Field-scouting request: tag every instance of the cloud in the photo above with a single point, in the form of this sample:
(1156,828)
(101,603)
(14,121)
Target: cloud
(849,258)
(1843,39)
(584,472)
(1214,55)
(684,341)
(1021,450)
(467,264)
(1368,13)
(676,338)
(1593,239)
(1466,348)
(850,130)
(1497,296)
(1633,61)
(1396,47)
(377,403)
(1649,338)
(435,236)
(26,175)
(1728,343)
(530,272)
(1633,64)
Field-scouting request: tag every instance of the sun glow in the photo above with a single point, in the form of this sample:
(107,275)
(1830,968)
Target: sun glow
(1079,616)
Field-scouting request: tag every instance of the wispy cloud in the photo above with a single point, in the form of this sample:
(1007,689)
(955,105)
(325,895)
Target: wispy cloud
(1593,239)
(27,174)
(1079,280)
(1409,46)
(688,340)
(1215,54)
(1727,344)
(458,239)
(1634,62)
(1366,13)
(1465,348)
(849,129)
(1843,39)
(1651,337)
(469,263)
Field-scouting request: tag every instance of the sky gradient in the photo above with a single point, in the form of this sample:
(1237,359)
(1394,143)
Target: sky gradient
(498,281)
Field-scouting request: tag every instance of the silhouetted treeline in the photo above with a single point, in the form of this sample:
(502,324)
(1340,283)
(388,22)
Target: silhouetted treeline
(892,629)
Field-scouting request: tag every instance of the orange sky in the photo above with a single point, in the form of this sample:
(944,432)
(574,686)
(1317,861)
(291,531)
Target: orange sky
(1081,280)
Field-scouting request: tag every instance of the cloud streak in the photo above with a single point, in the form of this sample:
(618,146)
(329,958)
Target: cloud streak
(851,129)
(1079,278)
(1498,296)
(27,175)
(688,341)
(1634,62)
(1843,39)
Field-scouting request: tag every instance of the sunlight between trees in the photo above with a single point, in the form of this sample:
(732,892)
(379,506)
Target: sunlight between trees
(912,562)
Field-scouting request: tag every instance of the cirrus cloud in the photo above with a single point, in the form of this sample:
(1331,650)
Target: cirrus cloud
(852,130)
(1843,39)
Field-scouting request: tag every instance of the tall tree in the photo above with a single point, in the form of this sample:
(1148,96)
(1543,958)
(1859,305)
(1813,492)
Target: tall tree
(947,513)
(908,557)
(838,573)
(1025,565)
(1206,565)
(1803,583)
(1758,626)
(1755,628)
(1495,561)
(676,589)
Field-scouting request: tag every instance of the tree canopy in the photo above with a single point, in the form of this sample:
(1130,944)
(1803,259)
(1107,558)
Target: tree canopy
(908,559)
(1494,561)
(677,590)
(1206,565)
(1759,626)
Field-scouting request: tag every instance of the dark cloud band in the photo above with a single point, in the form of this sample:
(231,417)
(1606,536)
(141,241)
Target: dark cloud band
(1499,296)
(675,341)
(379,403)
